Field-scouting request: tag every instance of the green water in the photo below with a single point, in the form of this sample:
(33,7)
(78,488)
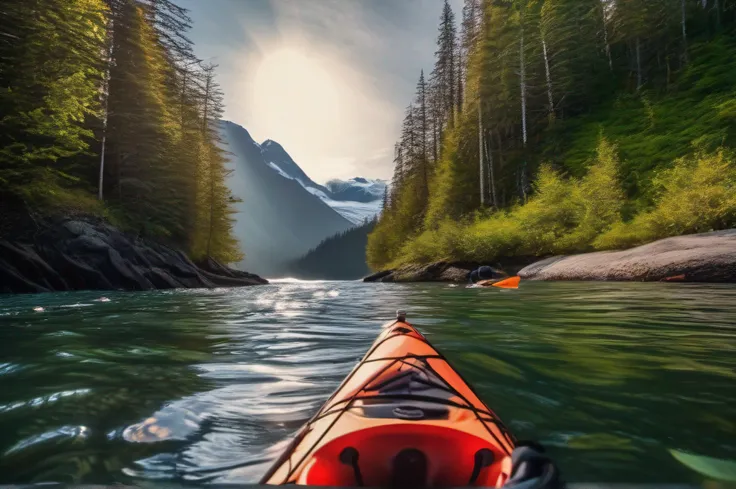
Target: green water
(607,376)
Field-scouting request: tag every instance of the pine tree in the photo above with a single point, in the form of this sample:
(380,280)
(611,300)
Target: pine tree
(105,97)
(50,70)
(520,66)
(469,36)
(446,64)
(572,53)
(422,127)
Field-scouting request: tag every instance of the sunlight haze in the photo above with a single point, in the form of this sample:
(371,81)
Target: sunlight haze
(327,79)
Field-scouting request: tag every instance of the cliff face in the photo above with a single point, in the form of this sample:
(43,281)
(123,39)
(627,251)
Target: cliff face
(89,254)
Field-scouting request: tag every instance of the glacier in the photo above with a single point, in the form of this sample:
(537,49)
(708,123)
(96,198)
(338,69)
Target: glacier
(356,199)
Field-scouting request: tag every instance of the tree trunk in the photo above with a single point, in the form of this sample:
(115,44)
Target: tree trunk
(501,164)
(183,97)
(434,140)
(105,107)
(439,138)
(120,175)
(605,37)
(212,203)
(491,173)
(550,99)
(205,116)
(684,30)
(102,160)
(480,157)
(523,88)
(638,65)
(522,179)
(425,129)
(460,86)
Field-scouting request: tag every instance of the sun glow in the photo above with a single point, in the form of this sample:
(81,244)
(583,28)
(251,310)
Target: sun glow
(296,97)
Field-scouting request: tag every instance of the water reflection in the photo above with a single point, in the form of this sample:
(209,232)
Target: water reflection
(207,386)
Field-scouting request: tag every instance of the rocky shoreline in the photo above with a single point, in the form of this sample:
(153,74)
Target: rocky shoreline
(84,253)
(456,272)
(706,257)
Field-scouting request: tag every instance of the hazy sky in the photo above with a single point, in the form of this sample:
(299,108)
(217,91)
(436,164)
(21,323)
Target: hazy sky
(328,79)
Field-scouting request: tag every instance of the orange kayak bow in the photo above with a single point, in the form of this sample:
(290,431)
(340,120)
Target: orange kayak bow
(404,417)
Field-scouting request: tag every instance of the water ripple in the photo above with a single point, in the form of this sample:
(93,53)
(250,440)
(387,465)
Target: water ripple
(208,385)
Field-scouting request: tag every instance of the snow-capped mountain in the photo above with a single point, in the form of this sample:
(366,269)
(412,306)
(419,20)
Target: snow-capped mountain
(278,220)
(357,199)
(353,211)
(357,189)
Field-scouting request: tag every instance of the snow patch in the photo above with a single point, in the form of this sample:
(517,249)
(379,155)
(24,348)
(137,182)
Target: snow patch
(280,171)
(354,211)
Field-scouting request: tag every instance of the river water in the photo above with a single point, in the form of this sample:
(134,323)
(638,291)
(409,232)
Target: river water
(609,377)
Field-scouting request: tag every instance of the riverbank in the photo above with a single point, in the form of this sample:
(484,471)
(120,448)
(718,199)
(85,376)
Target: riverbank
(456,272)
(706,257)
(85,253)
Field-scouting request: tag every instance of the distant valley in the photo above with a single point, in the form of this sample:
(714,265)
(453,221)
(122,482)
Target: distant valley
(284,213)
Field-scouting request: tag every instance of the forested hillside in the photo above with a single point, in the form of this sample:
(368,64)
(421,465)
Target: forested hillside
(105,110)
(281,220)
(558,126)
(339,257)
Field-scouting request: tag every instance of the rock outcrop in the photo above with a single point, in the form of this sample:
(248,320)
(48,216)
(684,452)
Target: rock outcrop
(457,272)
(89,254)
(707,257)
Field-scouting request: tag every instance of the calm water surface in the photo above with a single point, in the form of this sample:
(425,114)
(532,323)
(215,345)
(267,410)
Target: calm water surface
(608,376)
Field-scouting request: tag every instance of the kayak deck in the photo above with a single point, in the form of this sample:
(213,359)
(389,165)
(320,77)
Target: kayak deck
(402,417)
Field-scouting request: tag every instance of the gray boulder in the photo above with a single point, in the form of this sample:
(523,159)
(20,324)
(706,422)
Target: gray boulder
(456,272)
(89,254)
(707,257)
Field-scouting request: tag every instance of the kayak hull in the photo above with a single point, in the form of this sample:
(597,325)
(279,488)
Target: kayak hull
(403,417)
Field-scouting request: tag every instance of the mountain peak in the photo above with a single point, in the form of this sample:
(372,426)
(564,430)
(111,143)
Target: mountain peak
(270,143)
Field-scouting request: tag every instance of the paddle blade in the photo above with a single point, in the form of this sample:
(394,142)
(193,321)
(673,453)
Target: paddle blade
(509,283)
(676,278)
(715,468)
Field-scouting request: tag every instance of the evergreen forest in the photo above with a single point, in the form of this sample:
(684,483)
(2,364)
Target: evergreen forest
(338,257)
(105,110)
(562,126)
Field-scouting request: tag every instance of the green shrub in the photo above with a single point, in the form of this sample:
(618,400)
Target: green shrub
(599,201)
(569,215)
(697,194)
(499,235)
(441,243)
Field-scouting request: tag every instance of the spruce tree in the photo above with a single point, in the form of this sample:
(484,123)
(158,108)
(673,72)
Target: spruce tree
(446,62)
(50,71)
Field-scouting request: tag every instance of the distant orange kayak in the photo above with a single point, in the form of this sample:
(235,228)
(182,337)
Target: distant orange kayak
(676,278)
(508,283)
(404,417)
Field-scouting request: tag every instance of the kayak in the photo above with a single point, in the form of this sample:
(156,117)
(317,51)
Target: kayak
(508,283)
(404,417)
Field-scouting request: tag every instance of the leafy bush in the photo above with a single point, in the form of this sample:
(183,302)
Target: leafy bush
(599,202)
(569,215)
(499,235)
(697,194)
(441,243)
